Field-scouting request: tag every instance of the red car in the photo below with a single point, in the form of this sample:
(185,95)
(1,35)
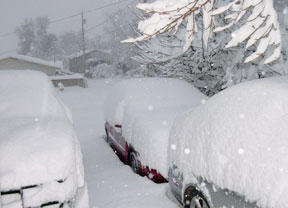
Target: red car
(139,114)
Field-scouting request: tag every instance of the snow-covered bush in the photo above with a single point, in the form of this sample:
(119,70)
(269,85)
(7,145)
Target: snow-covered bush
(238,140)
(106,71)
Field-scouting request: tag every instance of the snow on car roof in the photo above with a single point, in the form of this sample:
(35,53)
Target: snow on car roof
(238,140)
(37,141)
(148,93)
(28,93)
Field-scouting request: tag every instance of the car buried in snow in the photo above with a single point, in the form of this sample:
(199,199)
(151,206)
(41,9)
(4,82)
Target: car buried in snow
(232,151)
(40,157)
(139,113)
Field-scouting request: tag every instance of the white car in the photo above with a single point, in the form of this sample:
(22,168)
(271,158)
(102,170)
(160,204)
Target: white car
(139,114)
(40,157)
(232,150)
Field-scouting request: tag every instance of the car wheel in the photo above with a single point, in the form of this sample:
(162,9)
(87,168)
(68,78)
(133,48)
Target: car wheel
(198,202)
(134,163)
(195,199)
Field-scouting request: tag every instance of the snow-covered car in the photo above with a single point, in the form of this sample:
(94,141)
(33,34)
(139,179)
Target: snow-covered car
(40,157)
(232,150)
(139,113)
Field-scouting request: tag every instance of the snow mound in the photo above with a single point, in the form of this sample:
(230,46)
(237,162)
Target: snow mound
(38,145)
(147,93)
(238,140)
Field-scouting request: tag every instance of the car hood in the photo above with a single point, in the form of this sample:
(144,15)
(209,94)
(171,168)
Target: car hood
(34,151)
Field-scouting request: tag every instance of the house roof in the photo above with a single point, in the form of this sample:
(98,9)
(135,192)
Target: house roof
(31,60)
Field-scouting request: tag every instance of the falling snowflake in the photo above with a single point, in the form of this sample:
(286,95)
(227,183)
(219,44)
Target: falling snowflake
(150,107)
(36,119)
(187,151)
(173,146)
(268,149)
(164,123)
(263,73)
(203,101)
(241,151)
(150,176)
(242,116)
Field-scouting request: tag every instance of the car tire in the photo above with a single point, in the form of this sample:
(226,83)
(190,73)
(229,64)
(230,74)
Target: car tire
(134,163)
(195,199)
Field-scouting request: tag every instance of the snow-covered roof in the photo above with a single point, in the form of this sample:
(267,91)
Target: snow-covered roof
(37,143)
(238,140)
(148,93)
(80,53)
(57,65)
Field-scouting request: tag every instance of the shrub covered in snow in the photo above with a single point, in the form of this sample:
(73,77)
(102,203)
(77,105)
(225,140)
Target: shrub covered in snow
(40,155)
(238,140)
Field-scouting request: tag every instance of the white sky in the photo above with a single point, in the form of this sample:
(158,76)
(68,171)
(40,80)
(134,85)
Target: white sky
(13,13)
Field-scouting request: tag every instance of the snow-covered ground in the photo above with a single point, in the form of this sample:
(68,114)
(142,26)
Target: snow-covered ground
(110,182)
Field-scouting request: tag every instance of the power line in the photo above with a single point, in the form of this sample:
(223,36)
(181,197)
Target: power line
(108,5)
(72,16)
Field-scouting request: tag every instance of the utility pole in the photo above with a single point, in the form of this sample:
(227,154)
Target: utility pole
(83,42)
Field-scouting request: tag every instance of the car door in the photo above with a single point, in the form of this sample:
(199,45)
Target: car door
(118,141)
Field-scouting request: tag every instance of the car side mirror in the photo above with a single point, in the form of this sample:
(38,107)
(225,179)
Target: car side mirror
(118,128)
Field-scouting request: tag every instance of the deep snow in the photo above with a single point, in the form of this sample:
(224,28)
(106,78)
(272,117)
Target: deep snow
(110,182)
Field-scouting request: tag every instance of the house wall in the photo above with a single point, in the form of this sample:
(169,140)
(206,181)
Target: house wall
(15,64)
(70,82)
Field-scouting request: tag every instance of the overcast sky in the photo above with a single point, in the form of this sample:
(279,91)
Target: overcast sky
(13,13)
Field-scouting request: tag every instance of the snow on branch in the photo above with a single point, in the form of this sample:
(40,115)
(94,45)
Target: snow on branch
(261,27)
(169,14)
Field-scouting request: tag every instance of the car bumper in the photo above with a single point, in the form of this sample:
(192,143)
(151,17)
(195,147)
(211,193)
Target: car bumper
(55,194)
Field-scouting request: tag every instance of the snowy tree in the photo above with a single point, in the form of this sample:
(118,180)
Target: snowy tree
(25,34)
(119,25)
(260,27)
(35,40)
(70,42)
(45,44)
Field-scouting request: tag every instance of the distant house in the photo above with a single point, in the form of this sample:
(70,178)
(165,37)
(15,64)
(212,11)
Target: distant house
(20,62)
(53,70)
(92,58)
